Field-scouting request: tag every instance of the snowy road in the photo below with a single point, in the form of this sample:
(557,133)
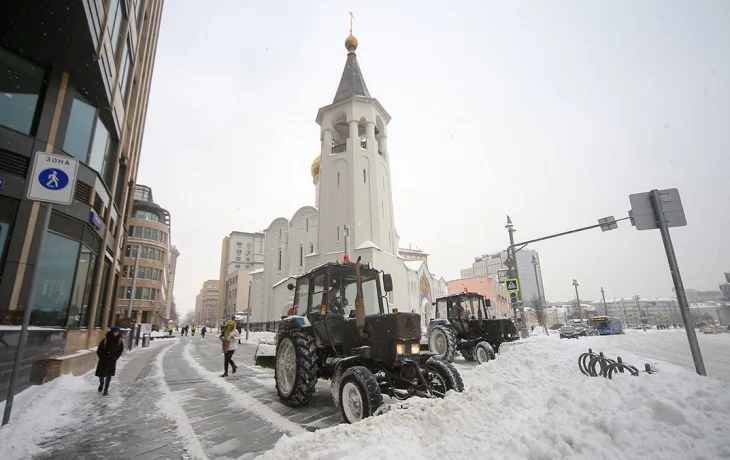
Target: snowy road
(672,346)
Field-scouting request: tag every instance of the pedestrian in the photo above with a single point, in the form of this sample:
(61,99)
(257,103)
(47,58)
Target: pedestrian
(192,330)
(109,350)
(169,329)
(203,331)
(229,339)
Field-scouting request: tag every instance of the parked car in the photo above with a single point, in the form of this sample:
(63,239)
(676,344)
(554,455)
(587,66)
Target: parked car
(709,330)
(590,330)
(555,327)
(722,329)
(568,332)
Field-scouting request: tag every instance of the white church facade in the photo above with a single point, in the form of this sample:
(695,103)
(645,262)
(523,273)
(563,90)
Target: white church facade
(352,183)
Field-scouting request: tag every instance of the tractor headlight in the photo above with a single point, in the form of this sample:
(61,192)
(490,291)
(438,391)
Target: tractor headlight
(509,335)
(415,348)
(400,348)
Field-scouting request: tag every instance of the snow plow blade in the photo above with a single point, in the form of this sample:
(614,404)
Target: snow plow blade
(265,355)
(506,347)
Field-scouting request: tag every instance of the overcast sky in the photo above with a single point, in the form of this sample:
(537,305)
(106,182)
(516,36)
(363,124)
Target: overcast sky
(551,112)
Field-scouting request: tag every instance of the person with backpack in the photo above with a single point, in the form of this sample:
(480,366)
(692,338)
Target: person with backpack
(229,340)
(109,350)
(203,331)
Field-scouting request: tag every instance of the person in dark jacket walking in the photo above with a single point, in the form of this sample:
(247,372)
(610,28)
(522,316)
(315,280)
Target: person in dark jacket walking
(203,331)
(108,351)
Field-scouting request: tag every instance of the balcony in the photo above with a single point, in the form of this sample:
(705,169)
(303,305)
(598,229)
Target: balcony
(339,148)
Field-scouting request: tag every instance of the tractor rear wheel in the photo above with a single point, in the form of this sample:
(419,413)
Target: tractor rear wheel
(442,343)
(360,394)
(443,376)
(295,371)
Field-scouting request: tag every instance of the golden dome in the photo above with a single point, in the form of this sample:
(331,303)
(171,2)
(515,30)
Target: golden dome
(315,166)
(351,43)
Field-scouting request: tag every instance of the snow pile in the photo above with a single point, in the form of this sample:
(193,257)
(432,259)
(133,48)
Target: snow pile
(258,337)
(41,411)
(533,402)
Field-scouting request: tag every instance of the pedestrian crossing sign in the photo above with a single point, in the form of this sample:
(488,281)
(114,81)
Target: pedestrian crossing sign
(512,285)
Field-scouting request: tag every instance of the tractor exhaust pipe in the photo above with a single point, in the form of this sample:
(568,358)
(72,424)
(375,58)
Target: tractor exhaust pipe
(347,243)
(359,302)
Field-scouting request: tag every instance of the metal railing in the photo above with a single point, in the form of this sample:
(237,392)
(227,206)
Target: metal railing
(339,148)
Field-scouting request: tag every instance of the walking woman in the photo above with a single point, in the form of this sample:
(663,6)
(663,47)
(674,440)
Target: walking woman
(229,338)
(108,351)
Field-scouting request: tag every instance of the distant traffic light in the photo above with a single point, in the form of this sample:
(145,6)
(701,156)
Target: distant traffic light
(513,299)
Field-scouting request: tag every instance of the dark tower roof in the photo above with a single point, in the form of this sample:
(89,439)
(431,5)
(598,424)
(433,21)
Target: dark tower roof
(352,82)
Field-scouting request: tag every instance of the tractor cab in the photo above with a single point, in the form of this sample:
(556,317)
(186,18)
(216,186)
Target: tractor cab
(467,312)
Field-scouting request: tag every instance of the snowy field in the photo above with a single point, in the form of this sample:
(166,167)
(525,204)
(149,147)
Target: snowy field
(533,402)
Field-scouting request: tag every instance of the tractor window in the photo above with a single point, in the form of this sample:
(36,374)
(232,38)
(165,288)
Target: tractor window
(454,310)
(302,296)
(317,290)
(471,305)
(441,309)
(342,301)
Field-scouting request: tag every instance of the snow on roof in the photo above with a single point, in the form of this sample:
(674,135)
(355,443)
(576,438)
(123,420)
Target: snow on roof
(414,265)
(258,270)
(368,245)
(279,283)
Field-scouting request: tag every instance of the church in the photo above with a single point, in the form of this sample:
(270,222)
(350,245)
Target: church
(352,181)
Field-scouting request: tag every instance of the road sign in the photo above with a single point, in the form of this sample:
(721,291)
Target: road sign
(145,328)
(512,285)
(53,178)
(608,223)
(642,212)
(502,275)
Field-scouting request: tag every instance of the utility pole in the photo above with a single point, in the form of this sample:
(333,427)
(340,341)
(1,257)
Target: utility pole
(511,230)
(541,316)
(641,315)
(605,307)
(577,297)
(626,320)
(248,309)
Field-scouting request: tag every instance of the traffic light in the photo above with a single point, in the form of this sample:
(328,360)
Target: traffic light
(513,299)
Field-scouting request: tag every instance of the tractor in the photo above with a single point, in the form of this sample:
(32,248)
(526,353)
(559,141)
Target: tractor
(364,349)
(463,324)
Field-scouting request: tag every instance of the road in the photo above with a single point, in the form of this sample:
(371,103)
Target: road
(672,346)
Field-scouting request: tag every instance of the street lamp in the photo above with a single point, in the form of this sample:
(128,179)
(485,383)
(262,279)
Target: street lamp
(641,315)
(541,304)
(577,297)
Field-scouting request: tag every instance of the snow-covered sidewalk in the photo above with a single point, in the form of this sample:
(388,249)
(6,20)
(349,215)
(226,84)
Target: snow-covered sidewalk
(533,402)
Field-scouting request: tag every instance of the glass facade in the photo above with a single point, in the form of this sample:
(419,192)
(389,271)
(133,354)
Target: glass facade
(114,26)
(146,215)
(21,84)
(55,280)
(8,209)
(80,128)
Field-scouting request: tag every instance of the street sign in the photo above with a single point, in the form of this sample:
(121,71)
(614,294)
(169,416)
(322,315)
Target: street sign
(145,328)
(512,285)
(502,275)
(53,178)
(608,223)
(642,212)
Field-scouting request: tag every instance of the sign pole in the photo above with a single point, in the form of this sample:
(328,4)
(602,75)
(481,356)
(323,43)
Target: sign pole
(26,316)
(694,346)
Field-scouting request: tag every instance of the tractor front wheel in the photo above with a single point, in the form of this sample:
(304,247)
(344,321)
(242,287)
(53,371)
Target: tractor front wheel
(483,352)
(360,394)
(443,376)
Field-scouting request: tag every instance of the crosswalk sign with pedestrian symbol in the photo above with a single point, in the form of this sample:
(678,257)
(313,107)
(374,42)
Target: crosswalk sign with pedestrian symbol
(53,178)
(512,285)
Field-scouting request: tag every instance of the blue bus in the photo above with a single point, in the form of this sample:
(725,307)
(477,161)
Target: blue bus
(606,325)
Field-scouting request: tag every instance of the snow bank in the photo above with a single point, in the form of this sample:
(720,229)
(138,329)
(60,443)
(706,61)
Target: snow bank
(41,411)
(258,337)
(533,402)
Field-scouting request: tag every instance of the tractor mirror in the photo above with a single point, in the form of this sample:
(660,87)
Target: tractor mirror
(290,286)
(388,282)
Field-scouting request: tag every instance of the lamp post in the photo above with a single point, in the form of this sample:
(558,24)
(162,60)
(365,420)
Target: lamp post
(641,316)
(577,297)
(540,299)
(605,307)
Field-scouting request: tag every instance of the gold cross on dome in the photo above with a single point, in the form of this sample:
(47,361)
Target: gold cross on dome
(351,18)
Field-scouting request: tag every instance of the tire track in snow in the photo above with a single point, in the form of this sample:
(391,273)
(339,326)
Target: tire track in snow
(243,400)
(172,408)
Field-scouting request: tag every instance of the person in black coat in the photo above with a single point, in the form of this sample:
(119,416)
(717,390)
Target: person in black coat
(108,351)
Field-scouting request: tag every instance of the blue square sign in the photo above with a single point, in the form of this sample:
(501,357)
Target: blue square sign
(2,183)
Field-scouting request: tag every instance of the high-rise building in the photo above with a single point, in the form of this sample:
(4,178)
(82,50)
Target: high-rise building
(74,80)
(148,262)
(491,264)
(206,305)
(241,253)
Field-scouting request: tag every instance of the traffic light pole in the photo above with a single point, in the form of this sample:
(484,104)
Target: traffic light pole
(524,333)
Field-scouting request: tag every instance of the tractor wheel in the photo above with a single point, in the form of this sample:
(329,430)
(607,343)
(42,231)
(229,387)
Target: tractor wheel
(360,394)
(443,376)
(467,353)
(295,371)
(483,352)
(442,343)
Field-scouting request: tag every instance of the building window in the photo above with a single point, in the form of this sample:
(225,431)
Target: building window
(338,180)
(306,228)
(125,78)
(279,234)
(238,266)
(238,259)
(20,85)
(146,233)
(114,25)
(338,234)
(80,128)
(138,232)
(364,176)
(146,215)
(311,248)
(238,244)
(301,255)
(279,265)
(55,280)
(153,234)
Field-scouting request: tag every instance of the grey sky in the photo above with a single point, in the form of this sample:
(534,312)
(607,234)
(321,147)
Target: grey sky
(579,104)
